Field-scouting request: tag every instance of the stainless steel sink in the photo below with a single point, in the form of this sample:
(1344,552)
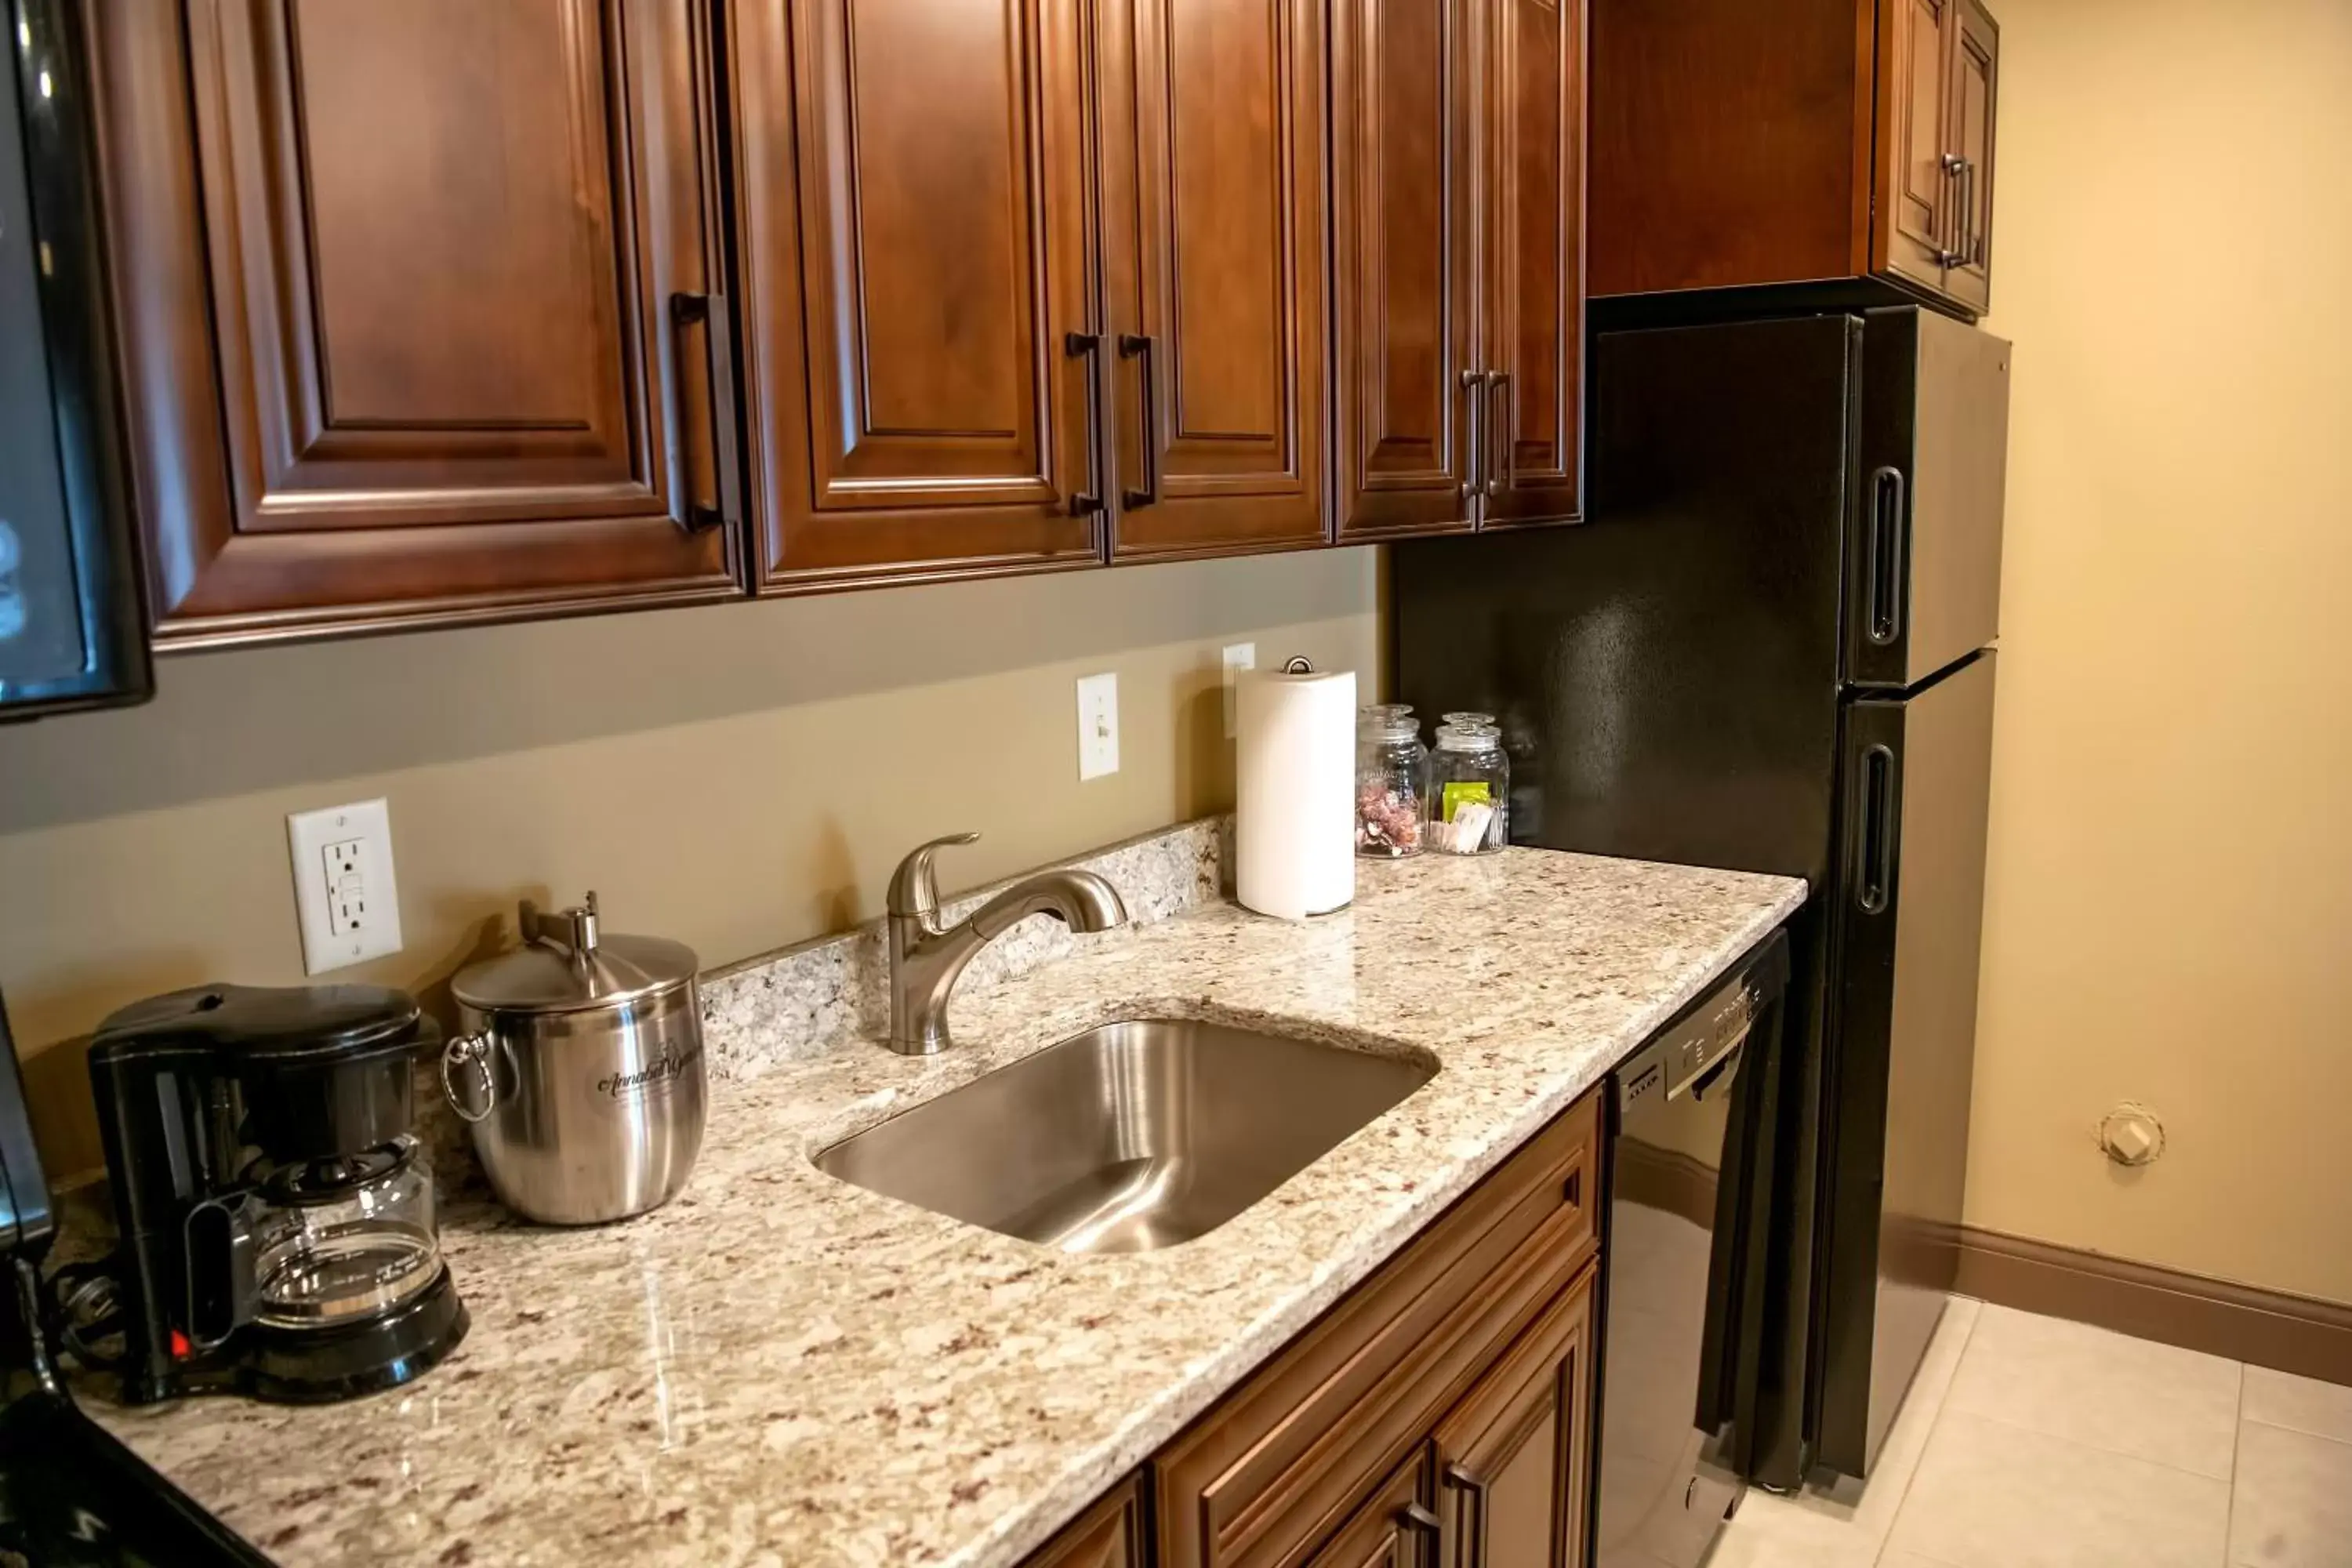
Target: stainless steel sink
(1129,1137)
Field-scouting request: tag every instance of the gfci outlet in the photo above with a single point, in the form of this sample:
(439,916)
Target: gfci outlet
(1097,725)
(344,891)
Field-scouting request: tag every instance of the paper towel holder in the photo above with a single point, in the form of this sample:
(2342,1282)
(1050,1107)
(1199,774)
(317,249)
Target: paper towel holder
(1299,664)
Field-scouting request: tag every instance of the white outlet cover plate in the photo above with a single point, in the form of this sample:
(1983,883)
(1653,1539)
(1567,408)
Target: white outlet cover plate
(1238,657)
(345,893)
(1097,725)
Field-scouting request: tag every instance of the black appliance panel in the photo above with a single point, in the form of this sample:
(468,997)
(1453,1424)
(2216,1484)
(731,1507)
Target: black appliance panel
(72,626)
(1667,675)
(1902,1051)
(1692,1142)
(1924,562)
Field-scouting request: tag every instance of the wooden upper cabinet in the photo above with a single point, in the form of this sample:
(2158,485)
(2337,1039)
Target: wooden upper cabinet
(1405,281)
(1458,204)
(1216,255)
(1531,300)
(1918,192)
(1936,64)
(1975,89)
(1744,142)
(1514,1456)
(914,223)
(395,284)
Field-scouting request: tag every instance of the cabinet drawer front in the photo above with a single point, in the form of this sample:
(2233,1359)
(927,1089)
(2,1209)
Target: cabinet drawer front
(411,264)
(1276,1466)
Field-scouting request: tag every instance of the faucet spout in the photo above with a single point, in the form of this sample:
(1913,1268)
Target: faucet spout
(1079,900)
(926,959)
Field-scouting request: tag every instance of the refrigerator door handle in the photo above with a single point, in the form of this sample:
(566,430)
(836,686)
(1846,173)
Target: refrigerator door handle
(1874,828)
(1888,535)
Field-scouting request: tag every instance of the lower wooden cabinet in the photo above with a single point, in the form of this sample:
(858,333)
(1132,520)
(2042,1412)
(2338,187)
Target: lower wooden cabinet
(1110,1534)
(1514,1457)
(1395,1527)
(1439,1416)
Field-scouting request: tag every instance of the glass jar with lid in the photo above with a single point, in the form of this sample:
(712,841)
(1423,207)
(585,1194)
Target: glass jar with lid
(1465,805)
(1391,763)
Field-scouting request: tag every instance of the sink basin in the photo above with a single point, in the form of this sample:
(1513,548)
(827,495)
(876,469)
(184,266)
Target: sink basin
(1129,1137)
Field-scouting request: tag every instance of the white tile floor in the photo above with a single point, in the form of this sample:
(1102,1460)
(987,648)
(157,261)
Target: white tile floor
(2029,1442)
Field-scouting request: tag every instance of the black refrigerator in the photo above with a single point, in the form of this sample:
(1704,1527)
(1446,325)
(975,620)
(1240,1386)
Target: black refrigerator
(1769,650)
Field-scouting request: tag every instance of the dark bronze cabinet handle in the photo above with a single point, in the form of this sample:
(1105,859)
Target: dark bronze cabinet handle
(709,311)
(1415,1517)
(1498,430)
(1474,412)
(1139,345)
(1960,181)
(1458,1476)
(1080,345)
(1966,222)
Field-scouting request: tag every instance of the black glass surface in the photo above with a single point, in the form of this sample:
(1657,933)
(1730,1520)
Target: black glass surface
(72,627)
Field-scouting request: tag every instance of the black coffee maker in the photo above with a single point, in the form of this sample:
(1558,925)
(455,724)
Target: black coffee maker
(276,1217)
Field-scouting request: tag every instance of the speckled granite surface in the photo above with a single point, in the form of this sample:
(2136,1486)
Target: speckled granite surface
(780,1368)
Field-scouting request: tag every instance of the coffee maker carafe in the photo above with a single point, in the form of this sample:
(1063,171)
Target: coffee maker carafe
(275,1213)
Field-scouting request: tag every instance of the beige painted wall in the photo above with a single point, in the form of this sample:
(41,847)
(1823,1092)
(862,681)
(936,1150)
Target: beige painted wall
(738,777)
(2169,900)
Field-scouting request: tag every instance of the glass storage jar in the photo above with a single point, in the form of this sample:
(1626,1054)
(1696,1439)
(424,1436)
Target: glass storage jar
(1389,764)
(1465,805)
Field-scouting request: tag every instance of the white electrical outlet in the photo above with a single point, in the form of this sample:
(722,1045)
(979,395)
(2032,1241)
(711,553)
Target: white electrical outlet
(344,892)
(1239,656)
(1097,725)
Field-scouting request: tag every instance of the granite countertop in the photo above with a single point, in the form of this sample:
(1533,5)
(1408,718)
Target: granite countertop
(780,1368)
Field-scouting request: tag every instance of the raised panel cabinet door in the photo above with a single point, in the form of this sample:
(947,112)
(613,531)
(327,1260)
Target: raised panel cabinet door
(1405,383)
(913,218)
(1531,226)
(1917,209)
(1216,252)
(1395,1527)
(397,281)
(1975,80)
(1514,1455)
(1107,1535)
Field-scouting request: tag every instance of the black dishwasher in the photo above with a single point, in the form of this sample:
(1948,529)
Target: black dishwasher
(1688,1213)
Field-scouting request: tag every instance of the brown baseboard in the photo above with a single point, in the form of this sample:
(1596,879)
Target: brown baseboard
(2300,1334)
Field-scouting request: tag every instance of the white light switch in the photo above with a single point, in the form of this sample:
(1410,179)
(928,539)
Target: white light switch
(344,893)
(1239,656)
(1097,725)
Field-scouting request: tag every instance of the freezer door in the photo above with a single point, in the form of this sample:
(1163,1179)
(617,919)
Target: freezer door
(1923,570)
(1902,1046)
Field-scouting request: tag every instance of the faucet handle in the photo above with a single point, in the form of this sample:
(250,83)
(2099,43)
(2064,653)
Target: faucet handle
(914,891)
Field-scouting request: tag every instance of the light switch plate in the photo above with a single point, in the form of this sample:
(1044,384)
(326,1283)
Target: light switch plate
(345,894)
(1097,725)
(1239,656)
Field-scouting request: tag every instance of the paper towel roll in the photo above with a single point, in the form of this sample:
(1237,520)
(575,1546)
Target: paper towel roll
(1295,793)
